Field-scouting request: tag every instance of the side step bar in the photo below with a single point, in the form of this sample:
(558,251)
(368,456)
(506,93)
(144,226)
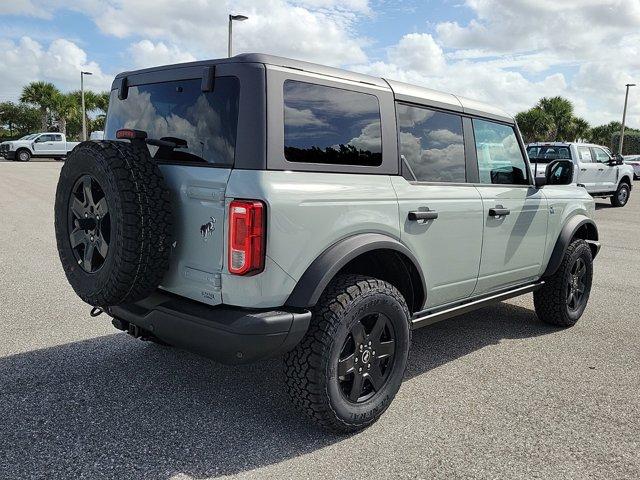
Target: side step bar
(424,318)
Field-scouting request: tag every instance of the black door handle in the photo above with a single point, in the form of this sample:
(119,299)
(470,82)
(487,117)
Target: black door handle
(499,211)
(583,169)
(423,215)
(601,169)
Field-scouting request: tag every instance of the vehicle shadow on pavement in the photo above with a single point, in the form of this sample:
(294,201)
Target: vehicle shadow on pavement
(446,341)
(119,408)
(603,206)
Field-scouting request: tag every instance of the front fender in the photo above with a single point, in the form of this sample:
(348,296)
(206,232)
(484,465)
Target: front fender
(322,270)
(567,234)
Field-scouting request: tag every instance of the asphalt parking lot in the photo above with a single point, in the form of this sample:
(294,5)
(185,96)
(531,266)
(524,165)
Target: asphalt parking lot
(493,394)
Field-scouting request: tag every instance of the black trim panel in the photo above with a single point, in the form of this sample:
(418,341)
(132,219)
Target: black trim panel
(422,319)
(564,239)
(316,278)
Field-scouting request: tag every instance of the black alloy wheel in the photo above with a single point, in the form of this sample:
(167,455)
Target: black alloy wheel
(366,358)
(576,284)
(89,224)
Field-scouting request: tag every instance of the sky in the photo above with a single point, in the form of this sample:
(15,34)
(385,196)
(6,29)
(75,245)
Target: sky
(505,52)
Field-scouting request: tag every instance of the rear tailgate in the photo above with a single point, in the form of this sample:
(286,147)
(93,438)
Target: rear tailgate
(199,216)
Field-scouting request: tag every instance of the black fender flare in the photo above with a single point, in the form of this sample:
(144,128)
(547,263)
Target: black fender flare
(322,270)
(564,240)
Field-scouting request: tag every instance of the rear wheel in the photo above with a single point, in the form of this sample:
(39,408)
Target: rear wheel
(621,197)
(564,296)
(349,367)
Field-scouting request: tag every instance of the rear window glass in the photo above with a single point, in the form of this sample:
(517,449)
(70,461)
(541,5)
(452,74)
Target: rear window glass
(331,125)
(548,153)
(202,125)
(431,144)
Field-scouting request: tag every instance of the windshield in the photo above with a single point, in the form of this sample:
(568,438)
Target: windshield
(548,153)
(200,126)
(28,137)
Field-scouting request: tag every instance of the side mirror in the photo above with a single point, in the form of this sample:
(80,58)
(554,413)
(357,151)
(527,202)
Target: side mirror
(559,172)
(616,160)
(540,181)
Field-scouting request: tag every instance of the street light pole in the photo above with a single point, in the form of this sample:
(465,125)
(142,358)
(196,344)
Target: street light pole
(84,114)
(624,117)
(239,18)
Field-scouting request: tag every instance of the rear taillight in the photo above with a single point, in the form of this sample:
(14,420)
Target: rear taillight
(246,237)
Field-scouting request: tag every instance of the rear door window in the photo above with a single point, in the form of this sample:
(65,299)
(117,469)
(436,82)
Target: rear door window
(584,155)
(432,144)
(547,154)
(201,125)
(329,125)
(500,159)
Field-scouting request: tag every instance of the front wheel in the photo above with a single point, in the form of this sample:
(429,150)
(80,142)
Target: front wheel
(349,366)
(563,298)
(621,197)
(24,155)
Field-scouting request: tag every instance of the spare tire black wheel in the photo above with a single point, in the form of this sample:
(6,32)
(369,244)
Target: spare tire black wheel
(113,222)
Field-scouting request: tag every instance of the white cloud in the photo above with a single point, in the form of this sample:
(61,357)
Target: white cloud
(315,30)
(418,52)
(60,62)
(148,54)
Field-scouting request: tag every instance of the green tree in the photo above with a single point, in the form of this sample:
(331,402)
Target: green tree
(603,134)
(64,108)
(18,119)
(535,125)
(42,95)
(579,129)
(561,112)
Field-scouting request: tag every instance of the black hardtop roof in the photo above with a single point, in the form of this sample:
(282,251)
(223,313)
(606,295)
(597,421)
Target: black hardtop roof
(270,60)
(402,91)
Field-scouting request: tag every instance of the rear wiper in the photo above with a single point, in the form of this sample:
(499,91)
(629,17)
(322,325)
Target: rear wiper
(166,142)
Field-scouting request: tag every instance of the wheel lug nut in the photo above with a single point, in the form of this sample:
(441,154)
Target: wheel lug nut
(369,343)
(356,359)
(360,370)
(374,352)
(361,347)
(368,365)
(86,214)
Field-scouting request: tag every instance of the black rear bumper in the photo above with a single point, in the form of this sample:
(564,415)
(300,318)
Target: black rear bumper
(226,334)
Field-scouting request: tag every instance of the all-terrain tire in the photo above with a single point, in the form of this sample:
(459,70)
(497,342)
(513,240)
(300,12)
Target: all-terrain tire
(141,222)
(311,368)
(550,301)
(621,197)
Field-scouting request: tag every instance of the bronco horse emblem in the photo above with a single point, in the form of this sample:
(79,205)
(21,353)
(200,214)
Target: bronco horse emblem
(208,228)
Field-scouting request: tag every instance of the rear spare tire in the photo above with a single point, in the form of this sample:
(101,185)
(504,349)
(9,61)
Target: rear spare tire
(113,223)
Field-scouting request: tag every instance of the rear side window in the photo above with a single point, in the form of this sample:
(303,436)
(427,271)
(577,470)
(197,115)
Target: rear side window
(432,144)
(202,125)
(331,125)
(547,154)
(584,154)
(500,160)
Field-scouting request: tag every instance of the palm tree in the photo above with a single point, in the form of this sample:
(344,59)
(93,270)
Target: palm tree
(64,108)
(102,101)
(535,125)
(561,112)
(579,128)
(42,95)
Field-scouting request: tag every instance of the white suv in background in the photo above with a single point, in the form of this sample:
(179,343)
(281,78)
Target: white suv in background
(600,173)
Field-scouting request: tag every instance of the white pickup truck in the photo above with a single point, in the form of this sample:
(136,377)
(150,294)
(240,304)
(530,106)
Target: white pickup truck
(597,170)
(48,144)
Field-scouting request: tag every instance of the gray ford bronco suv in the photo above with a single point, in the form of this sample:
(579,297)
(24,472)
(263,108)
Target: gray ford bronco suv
(257,206)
